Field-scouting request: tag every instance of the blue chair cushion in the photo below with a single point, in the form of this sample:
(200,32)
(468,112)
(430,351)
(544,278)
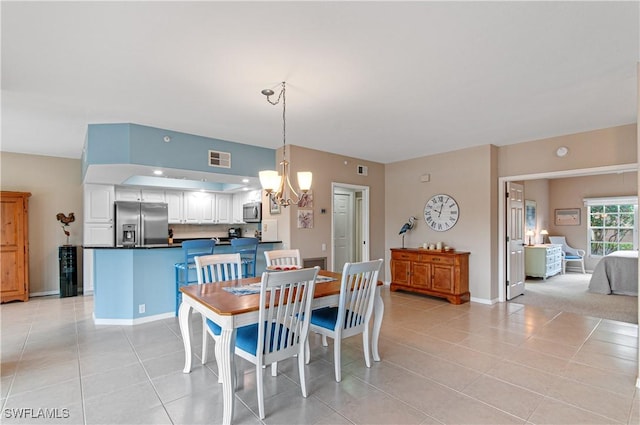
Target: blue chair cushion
(215,328)
(572,257)
(326,318)
(247,337)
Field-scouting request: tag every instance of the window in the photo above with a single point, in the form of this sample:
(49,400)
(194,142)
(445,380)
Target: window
(612,225)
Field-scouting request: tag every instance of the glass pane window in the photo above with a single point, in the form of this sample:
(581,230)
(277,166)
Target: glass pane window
(612,226)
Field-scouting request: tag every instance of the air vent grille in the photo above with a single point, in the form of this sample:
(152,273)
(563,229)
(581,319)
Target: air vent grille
(362,170)
(219,159)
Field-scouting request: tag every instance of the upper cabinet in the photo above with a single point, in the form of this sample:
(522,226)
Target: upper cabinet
(98,203)
(174,202)
(224,208)
(206,208)
(98,214)
(139,195)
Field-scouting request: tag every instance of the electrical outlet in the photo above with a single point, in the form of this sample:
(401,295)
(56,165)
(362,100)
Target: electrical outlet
(324,246)
(141,308)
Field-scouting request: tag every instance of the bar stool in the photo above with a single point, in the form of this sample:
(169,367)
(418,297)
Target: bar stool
(248,250)
(190,250)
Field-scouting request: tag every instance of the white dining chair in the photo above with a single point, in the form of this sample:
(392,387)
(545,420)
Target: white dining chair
(283,257)
(353,313)
(281,331)
(216,268)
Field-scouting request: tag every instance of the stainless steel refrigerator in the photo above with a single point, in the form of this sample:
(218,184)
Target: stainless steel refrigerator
(141,223)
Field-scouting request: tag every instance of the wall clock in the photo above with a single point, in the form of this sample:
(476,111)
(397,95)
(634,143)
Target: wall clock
(441,212)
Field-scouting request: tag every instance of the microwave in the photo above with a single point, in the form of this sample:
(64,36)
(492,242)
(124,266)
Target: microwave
(252,212)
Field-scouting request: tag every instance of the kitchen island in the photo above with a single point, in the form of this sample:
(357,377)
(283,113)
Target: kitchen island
(134,285)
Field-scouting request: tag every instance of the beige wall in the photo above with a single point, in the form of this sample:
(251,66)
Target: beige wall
(538,191)
(570,192)
(471,177)
(55,186)
(328,168)
(466,175)
(599,148)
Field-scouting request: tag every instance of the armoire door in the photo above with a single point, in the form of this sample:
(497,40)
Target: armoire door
(14,246)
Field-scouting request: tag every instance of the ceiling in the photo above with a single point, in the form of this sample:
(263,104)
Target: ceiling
(382,81)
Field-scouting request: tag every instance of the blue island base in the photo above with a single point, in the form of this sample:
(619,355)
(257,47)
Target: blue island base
(137,285)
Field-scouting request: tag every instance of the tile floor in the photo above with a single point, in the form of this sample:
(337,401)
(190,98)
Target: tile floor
(441,364)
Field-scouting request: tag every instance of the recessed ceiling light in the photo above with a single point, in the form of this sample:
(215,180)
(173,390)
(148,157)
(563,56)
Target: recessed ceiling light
(157,172)
(562,151)
(245,180)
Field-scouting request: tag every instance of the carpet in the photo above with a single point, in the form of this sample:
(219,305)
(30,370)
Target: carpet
(569,293)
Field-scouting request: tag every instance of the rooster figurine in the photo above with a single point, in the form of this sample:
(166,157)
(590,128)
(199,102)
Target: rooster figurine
(65,223)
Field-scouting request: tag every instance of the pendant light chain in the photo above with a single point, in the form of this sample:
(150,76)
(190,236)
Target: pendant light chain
(277,186)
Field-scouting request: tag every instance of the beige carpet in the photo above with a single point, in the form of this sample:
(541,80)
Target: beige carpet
(569,293)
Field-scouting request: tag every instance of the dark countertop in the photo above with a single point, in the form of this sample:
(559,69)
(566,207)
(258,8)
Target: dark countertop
(175,244)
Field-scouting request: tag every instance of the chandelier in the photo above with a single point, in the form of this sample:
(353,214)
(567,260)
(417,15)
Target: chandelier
(278,186)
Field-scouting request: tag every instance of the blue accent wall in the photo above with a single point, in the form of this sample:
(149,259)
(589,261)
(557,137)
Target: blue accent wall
(143,145)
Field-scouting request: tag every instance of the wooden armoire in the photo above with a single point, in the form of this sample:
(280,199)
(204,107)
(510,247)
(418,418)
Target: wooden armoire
(14,246)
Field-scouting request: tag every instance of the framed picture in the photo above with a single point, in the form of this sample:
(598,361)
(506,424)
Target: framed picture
(530,215)
(306,200)
(305,219)
(274,206)
(568,217)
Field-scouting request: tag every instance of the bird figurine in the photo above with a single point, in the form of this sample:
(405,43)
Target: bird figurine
(406,227)
(66,220)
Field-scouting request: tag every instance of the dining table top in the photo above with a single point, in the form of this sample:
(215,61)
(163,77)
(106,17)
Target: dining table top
(214,297)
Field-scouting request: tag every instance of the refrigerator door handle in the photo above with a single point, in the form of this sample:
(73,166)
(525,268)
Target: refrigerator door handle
(142,223)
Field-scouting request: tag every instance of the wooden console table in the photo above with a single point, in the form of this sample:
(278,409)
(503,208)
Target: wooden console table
(442,274)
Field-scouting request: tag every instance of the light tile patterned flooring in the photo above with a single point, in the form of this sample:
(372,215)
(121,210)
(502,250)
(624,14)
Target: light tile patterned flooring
(468,364)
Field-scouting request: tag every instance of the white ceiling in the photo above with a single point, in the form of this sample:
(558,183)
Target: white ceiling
(383,81)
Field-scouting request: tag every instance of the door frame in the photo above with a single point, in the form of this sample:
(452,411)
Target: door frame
(502,243)
(364,219)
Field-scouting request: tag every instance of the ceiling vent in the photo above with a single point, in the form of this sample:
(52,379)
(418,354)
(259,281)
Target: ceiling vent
(219,159)
(362,170)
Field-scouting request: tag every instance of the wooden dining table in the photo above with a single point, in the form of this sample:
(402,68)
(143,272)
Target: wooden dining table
(231,311)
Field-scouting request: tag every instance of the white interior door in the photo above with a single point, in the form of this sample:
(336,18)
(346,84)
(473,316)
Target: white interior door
(349,224)
(342,230)
(515,240)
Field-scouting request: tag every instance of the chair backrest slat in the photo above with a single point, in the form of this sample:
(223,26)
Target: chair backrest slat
(357,292)
(285,301)
(283,257)
(218,267)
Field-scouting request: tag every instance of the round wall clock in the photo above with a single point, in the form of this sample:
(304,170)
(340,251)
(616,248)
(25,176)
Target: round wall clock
(441,212)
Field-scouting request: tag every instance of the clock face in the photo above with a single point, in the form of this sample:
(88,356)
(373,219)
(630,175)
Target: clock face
(441,212)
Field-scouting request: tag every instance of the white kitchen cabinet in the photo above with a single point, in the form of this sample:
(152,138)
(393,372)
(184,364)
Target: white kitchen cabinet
(139,195)
(174,202)
(208,208)
(199,208)
(224,208)
(98,203)
(127,194)
(152,195)
(239,199)
(87,271)
(101,234)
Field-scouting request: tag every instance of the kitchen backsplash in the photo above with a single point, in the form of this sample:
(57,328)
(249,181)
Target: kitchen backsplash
(189,231)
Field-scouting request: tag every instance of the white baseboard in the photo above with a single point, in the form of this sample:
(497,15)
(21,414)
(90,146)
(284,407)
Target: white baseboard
(484,301)
(132,322)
